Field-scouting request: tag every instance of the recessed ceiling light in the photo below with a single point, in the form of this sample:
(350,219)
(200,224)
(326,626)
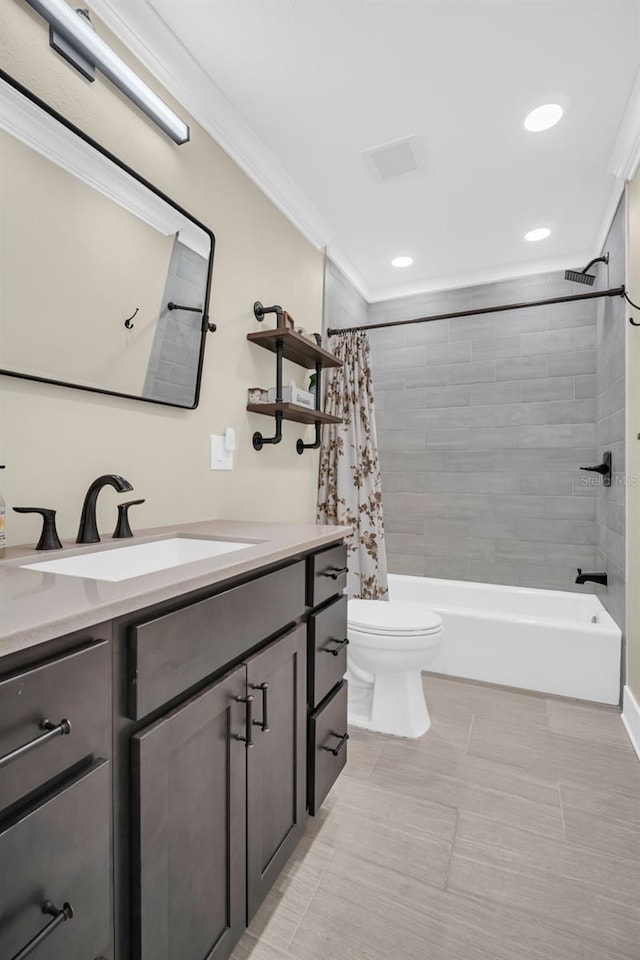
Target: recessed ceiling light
(543,117)
(540,233)
(402,261)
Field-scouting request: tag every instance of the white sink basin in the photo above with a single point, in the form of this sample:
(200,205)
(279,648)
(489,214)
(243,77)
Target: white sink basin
(136,559)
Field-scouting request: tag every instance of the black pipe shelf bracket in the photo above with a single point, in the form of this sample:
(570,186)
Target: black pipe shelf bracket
(288,345)
(301,446)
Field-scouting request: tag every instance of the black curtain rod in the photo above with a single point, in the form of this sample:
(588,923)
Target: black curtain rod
(593,295)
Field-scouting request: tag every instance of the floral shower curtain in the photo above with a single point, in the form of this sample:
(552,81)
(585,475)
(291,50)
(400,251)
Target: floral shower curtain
(349,486)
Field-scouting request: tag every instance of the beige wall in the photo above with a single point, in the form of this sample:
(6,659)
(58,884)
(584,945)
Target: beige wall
(633,444)
(56,440)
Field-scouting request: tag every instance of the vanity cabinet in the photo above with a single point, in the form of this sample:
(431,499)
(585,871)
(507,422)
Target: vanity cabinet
(202,731)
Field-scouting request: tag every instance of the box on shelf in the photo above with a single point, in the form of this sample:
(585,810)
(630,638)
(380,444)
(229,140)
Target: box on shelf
(293,394)
(257,395)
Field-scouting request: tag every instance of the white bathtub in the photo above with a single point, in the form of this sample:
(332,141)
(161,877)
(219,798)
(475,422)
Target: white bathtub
(545,640)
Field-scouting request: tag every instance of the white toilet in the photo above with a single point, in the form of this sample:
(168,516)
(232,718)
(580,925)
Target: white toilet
(389,644)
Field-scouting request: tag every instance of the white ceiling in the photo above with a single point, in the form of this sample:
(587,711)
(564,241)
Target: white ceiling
(304,86)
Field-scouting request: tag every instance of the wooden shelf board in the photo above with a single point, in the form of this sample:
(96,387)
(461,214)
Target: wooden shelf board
(292,411)
(294,347)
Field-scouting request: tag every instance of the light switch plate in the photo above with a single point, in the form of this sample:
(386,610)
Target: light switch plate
(221,458)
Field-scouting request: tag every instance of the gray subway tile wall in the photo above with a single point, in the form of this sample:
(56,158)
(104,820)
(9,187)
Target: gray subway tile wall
(484,423)
(502,423)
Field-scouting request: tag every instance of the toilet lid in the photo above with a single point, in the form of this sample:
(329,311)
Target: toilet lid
(393,617)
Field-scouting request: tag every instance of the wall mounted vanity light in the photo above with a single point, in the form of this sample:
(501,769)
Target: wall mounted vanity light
(73,36)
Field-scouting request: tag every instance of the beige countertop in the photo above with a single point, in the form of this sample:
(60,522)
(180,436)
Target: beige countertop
(37,606)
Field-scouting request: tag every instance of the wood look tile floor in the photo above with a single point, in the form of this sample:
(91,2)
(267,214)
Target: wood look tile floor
(510,832)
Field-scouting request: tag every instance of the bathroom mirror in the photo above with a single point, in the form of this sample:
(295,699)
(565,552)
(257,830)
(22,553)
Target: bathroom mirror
(104,281)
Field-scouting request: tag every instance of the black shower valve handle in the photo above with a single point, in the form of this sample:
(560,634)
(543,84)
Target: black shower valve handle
(600,468)
(49,539)
(604,468)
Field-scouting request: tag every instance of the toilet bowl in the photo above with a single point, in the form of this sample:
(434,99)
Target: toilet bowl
(390,643)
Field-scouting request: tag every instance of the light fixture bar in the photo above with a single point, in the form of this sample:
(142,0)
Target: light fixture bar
(79,34)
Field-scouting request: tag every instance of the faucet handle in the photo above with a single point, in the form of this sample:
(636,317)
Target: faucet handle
(49,539)
(123,530)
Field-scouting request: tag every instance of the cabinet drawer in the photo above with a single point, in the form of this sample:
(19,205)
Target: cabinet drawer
(327,650)
(326,574)
(60,852)
(327,746)
(172,653)
(75,688)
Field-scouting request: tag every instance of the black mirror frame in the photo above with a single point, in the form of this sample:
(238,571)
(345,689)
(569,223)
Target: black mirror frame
(207,326)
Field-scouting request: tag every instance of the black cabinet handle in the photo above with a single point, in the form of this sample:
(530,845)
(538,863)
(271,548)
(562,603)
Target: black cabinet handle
(59,916)
(264,723)
(335,573)
(51,730)
(334,651)
(248,721)
(343,742)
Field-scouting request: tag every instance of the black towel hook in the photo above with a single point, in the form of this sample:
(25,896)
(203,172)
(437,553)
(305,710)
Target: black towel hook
(128,323)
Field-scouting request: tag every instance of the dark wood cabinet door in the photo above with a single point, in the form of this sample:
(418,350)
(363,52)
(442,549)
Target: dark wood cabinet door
(60,851)
(276,764)
(189,867)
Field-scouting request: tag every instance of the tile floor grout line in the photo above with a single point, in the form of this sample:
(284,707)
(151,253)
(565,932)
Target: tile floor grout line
(311,899)
(466,746)
(564,825)
(453,841)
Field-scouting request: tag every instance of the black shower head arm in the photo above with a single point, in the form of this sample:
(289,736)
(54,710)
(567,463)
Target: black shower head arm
(604,259)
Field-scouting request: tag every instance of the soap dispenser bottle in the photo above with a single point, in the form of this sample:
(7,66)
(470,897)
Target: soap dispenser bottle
(3,523)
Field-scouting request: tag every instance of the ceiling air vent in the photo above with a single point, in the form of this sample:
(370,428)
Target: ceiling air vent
(393,159)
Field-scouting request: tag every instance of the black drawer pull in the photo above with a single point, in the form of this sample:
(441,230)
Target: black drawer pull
(343,742)
(248,723)
(59,916)
(51,730)
(264,723)
(335,573)
(334,651)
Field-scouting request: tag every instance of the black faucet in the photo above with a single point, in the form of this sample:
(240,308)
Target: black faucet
(593,577)
(88,529)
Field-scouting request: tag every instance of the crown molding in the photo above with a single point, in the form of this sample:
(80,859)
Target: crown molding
(625,156)
(157,48)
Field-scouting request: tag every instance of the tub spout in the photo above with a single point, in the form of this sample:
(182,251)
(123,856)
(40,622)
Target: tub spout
(591,577)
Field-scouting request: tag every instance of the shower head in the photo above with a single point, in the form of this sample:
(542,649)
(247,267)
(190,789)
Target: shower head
(582,276)
(579,277)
